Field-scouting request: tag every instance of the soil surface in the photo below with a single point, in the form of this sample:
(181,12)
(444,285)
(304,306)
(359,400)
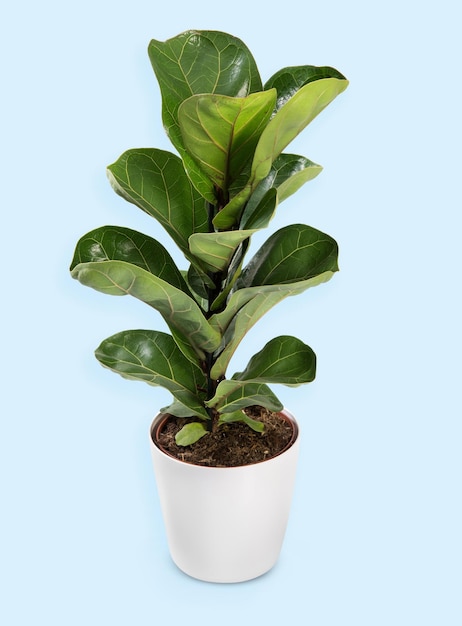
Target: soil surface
(232,444)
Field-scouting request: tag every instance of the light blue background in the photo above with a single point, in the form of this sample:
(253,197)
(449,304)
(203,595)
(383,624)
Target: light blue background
(375,533)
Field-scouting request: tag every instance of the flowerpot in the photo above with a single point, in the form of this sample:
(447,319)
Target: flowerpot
(225,524)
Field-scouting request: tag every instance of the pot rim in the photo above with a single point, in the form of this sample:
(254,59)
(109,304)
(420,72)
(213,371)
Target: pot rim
(161,418)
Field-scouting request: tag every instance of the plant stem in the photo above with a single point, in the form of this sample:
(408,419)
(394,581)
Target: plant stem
(212,293)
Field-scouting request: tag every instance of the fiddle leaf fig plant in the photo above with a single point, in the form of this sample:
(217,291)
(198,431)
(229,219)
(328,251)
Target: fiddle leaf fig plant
(222,186)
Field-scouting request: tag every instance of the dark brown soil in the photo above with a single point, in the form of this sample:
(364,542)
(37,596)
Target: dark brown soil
(232,444)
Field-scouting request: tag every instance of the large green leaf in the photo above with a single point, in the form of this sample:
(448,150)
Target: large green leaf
(116,243)
(197,62)
(293,253)
(291,119)
(289,80)
(217,249)
(246,307)
(285,360)
(288,122)
(180,311)
(155,181)
(153,357)
(221,132)
(293,259)
(288,173)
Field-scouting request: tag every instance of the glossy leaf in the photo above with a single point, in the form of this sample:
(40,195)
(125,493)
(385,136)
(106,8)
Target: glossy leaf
(180,311)
(290,120)
(155,181)
(197,62)
(289,80)
(293,253)
(221,133)
(217,249)
(190,433)
(232,396)
(153,357)
(288,173)
(285,360)
(116,243)
(293,259)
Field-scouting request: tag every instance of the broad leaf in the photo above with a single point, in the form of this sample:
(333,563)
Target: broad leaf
(180,311)
(290,79)
(221,133)
(285,360)
(153,357)
(217,249)
(289,262)
(156,182)
(240,416)
(288,173)
(231,396)
(190,433)
(115,243)
(293,253)
(290,120)
(197,62)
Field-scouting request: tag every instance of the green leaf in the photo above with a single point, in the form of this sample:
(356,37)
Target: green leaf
(115,243)
(288,173)
(197,62)
(180,311)
(290,120)
(234,271)
(230,214)
(292,254)
(153,357)
(259,215)
(190,433)
(177,409)
(233,396)
(156,182)
(200,283)
(285,360)
(240,416)
(245,308)
(217,249)
(293,259)
(221,133)
(289,80)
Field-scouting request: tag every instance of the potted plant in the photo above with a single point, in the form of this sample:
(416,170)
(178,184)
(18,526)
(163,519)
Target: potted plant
(225,449)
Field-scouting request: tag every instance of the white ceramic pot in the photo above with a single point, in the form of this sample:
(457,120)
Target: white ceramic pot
(225,525)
